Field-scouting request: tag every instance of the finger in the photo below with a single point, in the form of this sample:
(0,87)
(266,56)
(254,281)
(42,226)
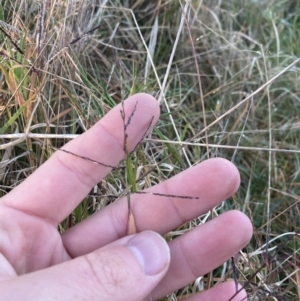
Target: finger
(212,181)
(203,249)
(6,269)
(55,189)
(222,292)
(128,269)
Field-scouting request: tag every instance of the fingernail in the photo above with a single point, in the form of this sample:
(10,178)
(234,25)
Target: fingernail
(151,250)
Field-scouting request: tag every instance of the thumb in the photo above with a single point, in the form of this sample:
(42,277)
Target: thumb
(128,269)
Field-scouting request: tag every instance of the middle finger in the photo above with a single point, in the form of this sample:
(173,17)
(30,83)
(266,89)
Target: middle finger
(211,181)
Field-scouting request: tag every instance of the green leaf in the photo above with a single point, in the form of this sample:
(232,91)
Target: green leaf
(14,117)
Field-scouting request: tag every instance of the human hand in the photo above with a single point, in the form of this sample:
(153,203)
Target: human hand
(95,260)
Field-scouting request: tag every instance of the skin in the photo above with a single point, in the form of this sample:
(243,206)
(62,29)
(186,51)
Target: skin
(95,260)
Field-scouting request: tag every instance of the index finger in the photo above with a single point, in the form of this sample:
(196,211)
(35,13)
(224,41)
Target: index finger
(59,185)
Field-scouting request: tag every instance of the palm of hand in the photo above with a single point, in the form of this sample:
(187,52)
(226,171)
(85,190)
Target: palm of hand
(28,243)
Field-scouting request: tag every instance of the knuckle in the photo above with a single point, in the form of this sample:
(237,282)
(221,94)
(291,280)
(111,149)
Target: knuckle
(79,171)
(190,262)
(106,274)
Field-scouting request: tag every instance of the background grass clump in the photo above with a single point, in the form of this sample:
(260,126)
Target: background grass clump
(64,64)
